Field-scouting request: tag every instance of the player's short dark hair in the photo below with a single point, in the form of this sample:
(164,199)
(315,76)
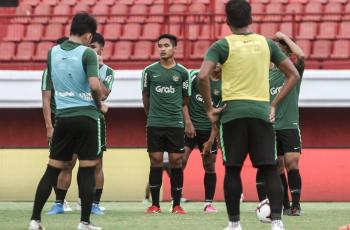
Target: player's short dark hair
(83,23)
(61,40)
(98,38)
(172,38)
(238,13)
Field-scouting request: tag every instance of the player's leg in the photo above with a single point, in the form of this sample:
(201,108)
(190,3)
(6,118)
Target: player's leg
(189,145)
(280,169)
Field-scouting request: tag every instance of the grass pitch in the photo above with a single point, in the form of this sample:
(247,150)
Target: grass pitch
(122,216)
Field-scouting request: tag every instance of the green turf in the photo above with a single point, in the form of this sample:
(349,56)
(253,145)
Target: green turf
(317,216)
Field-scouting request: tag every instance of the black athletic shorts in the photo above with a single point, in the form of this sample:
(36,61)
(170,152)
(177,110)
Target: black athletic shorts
(288,140)
(248,135)
(201,137)
(103,136)
(165,139)
(53,119)
(76,135)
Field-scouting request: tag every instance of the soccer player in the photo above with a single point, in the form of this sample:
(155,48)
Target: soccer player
(165,89)
(288,139)
(72,71)
(200,133)
(245,123)
(106,75)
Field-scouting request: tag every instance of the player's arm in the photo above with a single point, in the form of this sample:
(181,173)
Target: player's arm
(145,85)
(209,143)
(107,84)
(46,87)
(291,44)
(190,131)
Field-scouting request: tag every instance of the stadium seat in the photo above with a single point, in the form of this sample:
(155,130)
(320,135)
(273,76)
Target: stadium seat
(202,1)
(260,1)
(112,31)
(255,28)
(321,49)
(151,31)
(100,11)
(42,50)
(53,32)
(224,31)
(144,2)
(108,50)
(220,9)
(177,9)
(31,2)
(23,12)
(127,2)
(332,11)
(311,9)
(7,50)
(287,28)
(179,1)
(138,13)
(199,49)
(328,30)
(296,8)
(44,10)
(346,12)
(268,29)
(119,13)
(122,50)
(271,10)
(90,2)
(34,32)
(176,29)
(15,32)
(193,32)
(25,51)
(107,2)
(257,10)
(344,30)
(341,49)
(194,11)
(179,54)
(142,50)
(61,13)
(67,30)
(69,2)
(81,7)
(305,45)
(280,1)
(206,32)
(158,10)
(50,2)
(307,30)
(132,31)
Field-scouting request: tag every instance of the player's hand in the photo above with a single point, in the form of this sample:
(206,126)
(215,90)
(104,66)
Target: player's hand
(190,131)
(279,36)
(214,114)
(272,115)
(49,133)
(207,147)
(103,108)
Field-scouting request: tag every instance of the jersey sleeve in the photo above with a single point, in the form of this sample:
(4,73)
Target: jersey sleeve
(145,81)
(109,80)
(277,55)
(186,84)
(90,62)
(46,81)
(218,52)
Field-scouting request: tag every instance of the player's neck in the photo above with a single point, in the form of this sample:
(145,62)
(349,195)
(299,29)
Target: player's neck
(75,39)
(243,30)
(168,62)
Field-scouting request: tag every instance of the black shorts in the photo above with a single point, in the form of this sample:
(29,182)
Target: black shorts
(201,137)
(53,119)
(165,139)
(248,135)
(80,135)
(288,140)
(103,136)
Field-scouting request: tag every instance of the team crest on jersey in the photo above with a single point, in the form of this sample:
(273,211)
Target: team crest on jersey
(176,78)
(216,92)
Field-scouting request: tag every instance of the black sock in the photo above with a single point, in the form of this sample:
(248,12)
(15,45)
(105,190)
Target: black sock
(55,190)
(43,190)
(286,203)
(155,182)
(232,191)
(86,190)
(60,195)
(98,194)
(209,186)
(274,190)
(176,181)
(260,186)
(295,186)
(78,182)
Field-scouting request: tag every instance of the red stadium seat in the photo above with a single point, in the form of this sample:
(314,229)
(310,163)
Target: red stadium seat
(257,8)
(177,9)
(107,2)
(61,13)
(305,45)
(90,2)
(69,2)
(100,11)
(313,11)
(25,51)
(199,49)
(44,10)
(333,11)
(294,10)
(307,30)
(53,32)
(280,1)
(341,49)
(67,30)
(144,2)
(81,7)
(151,31)
(347,12)
(15,32)
(158,10)
(112,31)
(344,30)
(122,50)
(272,9)
(30,2)
(42,50)
(180,1)
(205,32)
(107,50)
(254,28)
(142,50)
(260,1)
(7,51)
(138,13)
(193,31)
(220,9)
(328,30)
(180,52)
(202,1)
(340,1)
(287,28)
(34,32)
(321,49)
(196,9)
(268,29)
(176,29)
(127,2)
(132,31)
(23,12)
(50,2)
(119,13)
(224,31)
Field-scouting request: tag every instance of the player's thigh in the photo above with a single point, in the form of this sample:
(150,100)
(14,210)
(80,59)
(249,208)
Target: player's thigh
(174,140)
(292,160)
(280,164)
(234,141)
(155,139)
(208,161)
(291,143)
(156,159)
(175,160)
(261,142)
(202,137)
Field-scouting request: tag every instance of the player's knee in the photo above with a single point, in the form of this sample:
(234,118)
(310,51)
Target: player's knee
(209,167)
(156,162)
(176,163)
(293,164)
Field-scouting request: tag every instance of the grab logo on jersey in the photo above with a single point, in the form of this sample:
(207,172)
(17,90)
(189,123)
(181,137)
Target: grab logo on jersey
(164,89)
(275,90)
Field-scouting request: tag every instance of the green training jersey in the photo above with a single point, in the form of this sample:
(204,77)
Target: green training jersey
(47,87)
(197,111)
(165,89)
(106,75)
(220,52)
(287,114)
